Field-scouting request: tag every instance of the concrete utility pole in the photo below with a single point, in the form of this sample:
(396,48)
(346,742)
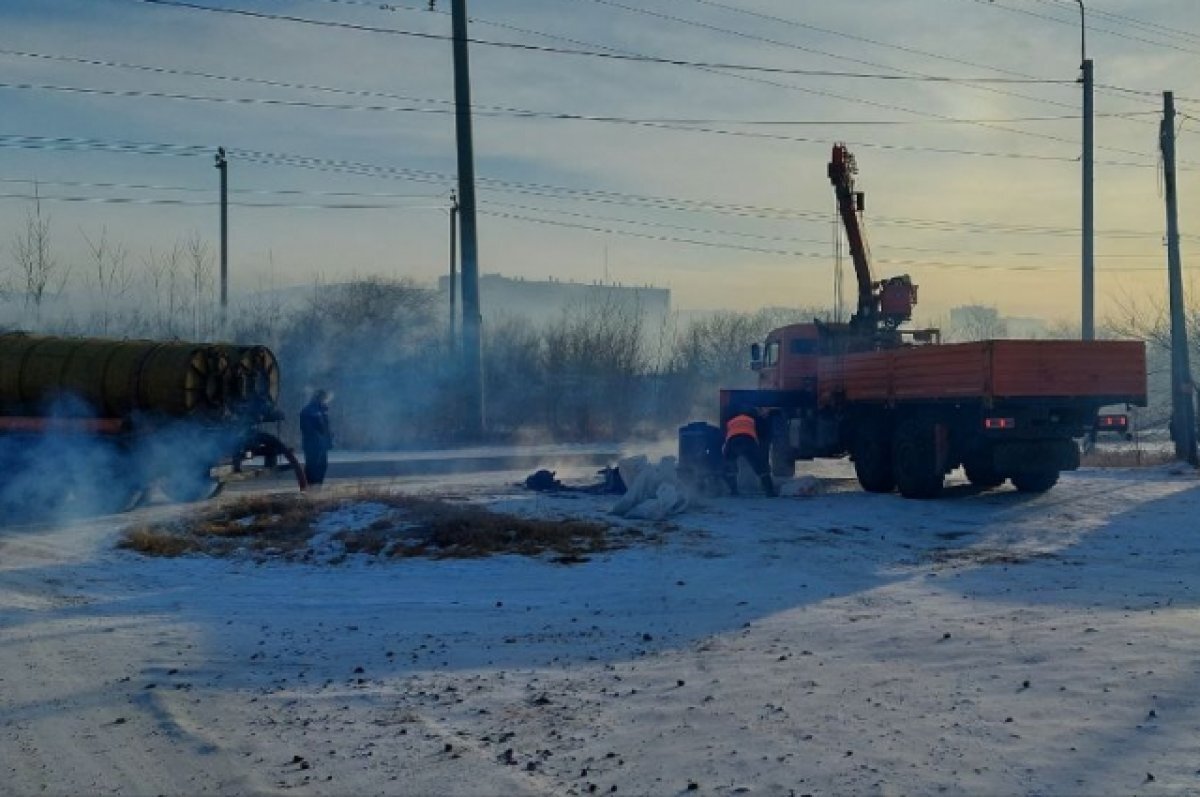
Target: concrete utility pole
(1088,323)
(472,322)
(223,167)
(453,267)
(1183,407)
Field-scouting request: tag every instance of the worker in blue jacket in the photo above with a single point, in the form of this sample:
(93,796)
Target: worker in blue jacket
(316,436)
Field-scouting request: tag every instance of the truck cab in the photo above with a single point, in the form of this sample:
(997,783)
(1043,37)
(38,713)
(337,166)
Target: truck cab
(787,360)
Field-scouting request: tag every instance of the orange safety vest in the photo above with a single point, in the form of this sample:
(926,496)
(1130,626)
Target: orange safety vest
(740,425)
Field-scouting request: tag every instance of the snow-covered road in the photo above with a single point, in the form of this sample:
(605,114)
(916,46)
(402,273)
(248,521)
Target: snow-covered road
(847,643)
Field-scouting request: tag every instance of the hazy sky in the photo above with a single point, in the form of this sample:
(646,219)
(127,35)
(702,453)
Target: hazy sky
(699,186)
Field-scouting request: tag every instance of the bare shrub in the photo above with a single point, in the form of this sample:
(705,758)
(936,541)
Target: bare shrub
(375,342)
(593,357)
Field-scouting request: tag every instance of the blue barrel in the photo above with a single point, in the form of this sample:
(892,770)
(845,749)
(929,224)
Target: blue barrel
(700,449)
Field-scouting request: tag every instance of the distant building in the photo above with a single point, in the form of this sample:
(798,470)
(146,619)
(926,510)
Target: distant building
(542,301)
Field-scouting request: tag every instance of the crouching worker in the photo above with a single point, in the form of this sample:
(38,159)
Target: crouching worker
(742,440)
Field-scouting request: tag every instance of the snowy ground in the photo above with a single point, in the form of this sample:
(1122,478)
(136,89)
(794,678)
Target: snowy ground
(986,643)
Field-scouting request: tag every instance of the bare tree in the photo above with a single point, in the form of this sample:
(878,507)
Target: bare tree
(109,276)
(163,271)
(201,281)
(976,322)
(593,357)
(39,273)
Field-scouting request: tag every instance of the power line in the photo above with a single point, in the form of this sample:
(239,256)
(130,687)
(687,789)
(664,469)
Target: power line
(789,45)
(751,78)
(914,263)
(1151,27)
(208,190)
(685,127)
(493,110)
(595,53)
(790,239)
(535,189)
(774,19)
(680,125)
(914,75)
(149,201)
(1091,27)
(94,200)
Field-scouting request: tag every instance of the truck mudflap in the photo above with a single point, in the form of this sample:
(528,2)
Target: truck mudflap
(1017,456)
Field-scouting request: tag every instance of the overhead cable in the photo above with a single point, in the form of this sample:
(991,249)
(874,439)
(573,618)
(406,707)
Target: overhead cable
(595,53)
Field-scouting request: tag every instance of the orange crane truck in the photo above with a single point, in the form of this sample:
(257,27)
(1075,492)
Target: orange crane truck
(908,409)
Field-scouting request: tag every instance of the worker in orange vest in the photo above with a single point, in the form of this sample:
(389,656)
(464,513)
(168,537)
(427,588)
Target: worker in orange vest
(743,440)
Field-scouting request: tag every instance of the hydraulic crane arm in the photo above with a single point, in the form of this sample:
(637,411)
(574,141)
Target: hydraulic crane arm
(841,173)
(885,304)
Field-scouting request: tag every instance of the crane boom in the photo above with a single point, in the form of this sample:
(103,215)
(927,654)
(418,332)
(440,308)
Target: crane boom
(881,305)
(842,168)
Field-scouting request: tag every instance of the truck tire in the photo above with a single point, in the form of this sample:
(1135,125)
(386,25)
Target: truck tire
(982,474)
(915,459)
(873,461)
(1035,481)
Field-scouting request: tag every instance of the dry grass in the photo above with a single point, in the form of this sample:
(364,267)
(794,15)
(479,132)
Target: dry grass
(285,527)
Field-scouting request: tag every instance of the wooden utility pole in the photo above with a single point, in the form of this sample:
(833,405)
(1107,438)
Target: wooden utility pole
(1088,324)
(1183,405)
(472,319)
(453,268)
(223,167)
(1087,78)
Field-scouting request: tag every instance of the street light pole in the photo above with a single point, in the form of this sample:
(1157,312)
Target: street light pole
(1088,323)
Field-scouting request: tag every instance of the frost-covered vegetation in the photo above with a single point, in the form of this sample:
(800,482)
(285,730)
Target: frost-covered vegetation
(382,344)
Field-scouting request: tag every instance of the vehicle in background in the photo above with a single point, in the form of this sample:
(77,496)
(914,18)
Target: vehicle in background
(908,409)
(95,424)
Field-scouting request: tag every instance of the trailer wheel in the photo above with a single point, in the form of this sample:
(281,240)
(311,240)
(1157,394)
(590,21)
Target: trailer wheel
(873,461)
(915,459)
(1035,481)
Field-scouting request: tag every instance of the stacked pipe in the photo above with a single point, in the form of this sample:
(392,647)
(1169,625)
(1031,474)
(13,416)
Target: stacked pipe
(91,377)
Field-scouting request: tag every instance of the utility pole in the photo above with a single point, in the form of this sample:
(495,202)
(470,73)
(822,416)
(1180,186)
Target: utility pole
(453,266)
(1183,407)
(223,167)
(1088,323)
(472,321)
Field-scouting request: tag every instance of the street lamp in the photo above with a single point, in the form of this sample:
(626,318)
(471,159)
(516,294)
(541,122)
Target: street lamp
(1088,326)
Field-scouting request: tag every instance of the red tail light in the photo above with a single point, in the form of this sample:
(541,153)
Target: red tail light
(999,423)
(1112,423)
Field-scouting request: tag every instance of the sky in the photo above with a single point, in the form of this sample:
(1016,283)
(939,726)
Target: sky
(706,176)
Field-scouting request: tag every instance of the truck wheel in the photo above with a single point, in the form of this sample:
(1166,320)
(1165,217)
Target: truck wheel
(873,461)
(983,475)
(1035,481)
(915,460)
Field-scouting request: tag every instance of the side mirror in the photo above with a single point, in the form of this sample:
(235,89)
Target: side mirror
(756,362)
